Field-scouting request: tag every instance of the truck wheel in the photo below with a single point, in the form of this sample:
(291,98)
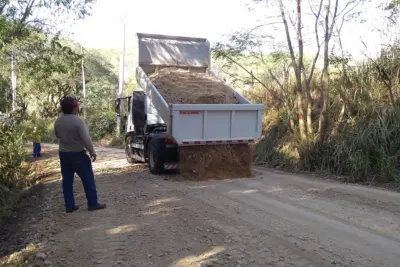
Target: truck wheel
(128,151)
(156,165)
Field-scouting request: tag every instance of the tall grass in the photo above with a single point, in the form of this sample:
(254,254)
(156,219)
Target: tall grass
(363,140)
(370,150)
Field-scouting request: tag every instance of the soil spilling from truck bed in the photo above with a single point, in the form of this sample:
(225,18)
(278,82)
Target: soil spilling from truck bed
(204,162)
(216,162)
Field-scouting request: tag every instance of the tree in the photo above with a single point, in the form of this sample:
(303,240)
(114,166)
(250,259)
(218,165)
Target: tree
(33,40)
(393,7)
(29,13)
(329,27)
(46,70)
(51,72)
(102,82)
(291,21)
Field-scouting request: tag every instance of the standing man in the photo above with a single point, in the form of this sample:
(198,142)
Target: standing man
(36,143)
(74,138)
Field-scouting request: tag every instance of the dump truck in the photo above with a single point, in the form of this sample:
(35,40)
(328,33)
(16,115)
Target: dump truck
(155,129)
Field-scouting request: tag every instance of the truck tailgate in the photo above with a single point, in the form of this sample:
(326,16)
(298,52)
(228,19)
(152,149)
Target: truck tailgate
(210,124)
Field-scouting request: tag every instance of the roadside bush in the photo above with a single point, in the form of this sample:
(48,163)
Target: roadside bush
(275,148)
(12,155)
(101,125)
(368,151)
(45,127)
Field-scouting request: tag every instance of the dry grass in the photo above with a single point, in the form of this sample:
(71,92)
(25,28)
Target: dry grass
(25,257)
(204,162)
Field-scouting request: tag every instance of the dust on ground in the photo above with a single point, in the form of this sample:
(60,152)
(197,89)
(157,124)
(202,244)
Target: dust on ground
(273,219)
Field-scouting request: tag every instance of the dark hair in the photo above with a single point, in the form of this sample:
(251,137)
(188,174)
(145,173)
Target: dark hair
(68,103)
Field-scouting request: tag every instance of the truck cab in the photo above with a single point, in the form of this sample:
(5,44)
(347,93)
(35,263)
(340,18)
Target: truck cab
(146,138)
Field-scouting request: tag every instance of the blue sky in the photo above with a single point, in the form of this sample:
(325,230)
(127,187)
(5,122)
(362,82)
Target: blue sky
(206,18)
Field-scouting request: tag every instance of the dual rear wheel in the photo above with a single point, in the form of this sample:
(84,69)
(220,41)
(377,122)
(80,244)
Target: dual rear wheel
(154,160)
(129,151)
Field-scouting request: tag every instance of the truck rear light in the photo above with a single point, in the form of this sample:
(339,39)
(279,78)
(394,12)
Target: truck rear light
(169,140)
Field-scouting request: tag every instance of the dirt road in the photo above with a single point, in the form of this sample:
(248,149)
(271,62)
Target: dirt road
(273,219)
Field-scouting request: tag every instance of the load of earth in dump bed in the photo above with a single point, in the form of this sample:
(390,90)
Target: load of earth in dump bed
(203,162)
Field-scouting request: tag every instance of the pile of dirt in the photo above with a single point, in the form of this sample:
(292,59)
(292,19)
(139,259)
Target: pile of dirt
(216,162)
(204,162)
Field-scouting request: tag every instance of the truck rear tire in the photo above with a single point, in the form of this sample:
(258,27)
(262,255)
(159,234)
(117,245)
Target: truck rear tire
(156,164)
(128,150)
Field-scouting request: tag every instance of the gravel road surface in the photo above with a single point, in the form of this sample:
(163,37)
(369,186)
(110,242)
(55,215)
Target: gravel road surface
(273,219)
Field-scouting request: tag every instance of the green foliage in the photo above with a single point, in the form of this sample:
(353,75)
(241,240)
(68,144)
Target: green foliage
(47,71)
(41,60)
(45,128)
(12,154)
(131,86)
(270,149)
(101,82)
(369,150)
(46,67)
(33,13)
(52,73)
(101,124)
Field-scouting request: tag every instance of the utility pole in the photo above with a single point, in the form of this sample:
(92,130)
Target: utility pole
(121,76)
(13,84)
(84,86)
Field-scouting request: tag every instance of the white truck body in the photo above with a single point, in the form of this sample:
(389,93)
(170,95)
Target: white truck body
(193,124)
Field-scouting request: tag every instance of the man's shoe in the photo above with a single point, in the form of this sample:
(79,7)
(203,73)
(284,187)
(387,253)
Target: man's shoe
(70,210)
(97,207)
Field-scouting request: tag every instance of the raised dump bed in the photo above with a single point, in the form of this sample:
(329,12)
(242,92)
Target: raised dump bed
(194,124)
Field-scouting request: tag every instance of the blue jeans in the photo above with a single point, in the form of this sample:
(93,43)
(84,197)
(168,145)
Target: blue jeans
(36,150)
(79,163)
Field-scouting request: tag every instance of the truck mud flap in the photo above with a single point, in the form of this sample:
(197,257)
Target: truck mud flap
(171,166)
